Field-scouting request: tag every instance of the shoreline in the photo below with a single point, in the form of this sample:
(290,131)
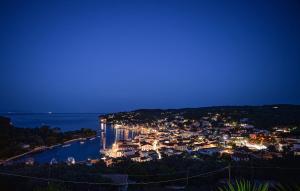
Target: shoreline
(44,148)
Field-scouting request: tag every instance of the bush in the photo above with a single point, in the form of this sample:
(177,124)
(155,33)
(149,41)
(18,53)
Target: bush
(243,185)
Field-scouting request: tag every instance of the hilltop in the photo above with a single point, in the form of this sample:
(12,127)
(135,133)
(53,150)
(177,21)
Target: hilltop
(263,117)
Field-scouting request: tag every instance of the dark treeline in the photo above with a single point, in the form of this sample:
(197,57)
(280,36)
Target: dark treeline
(263,117)
(285,171)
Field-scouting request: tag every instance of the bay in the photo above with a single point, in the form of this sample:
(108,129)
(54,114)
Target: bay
(107,134)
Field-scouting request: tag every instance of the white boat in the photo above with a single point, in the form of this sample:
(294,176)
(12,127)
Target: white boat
(66,145)
(102,151)
(81,142)
(53,161)
(92,138)
(117,126)
(29,161)
(71,161)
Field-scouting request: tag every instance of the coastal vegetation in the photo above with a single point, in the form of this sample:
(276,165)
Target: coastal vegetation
(15,140)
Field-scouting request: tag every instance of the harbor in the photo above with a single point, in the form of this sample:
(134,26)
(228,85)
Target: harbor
(81,149)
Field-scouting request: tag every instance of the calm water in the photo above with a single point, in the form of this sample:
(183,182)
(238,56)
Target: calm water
(66,122)
(106,135)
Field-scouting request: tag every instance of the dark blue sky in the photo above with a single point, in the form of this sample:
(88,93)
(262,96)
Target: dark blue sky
(103,56)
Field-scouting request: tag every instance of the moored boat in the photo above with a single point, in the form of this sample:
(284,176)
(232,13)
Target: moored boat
(66,145)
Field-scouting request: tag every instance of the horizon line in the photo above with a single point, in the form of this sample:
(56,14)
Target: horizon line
(150,108)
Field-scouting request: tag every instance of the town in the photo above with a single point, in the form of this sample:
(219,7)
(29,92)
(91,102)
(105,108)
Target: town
(161,133)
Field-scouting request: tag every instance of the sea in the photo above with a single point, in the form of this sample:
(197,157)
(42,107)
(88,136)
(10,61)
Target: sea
(81,151)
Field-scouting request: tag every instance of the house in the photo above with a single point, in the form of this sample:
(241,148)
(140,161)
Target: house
(297,152)
(128,152)
(108,161)
(146,147)
(209,151)
(181,147)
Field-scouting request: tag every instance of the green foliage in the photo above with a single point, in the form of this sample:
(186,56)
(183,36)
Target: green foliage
(280,187)
(243,185)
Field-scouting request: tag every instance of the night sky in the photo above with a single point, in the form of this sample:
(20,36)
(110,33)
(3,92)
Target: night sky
(104,56)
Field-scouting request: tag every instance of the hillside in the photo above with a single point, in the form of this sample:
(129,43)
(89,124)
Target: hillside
(263,117)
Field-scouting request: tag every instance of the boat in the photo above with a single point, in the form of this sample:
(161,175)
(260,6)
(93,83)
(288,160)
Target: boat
(66,145)
(92,138)
(81,142)
(71,161)
(102,151)
(53,161)
(29,161)
(117,126)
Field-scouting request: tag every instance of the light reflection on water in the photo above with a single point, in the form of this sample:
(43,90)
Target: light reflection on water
(107,134)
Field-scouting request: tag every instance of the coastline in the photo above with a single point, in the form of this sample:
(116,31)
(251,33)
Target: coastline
(44,148)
